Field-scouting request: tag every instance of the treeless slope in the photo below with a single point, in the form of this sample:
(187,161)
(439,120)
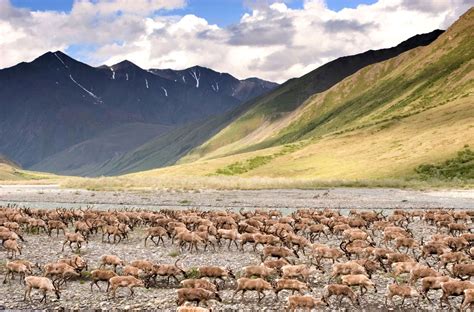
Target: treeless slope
(381,122)
(11,172)
(273,111)
(89,157)
(5,161)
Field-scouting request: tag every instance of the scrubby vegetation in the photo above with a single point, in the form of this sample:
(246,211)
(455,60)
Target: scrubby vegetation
(245,166)
(223,182)
(257,161)
(459,167)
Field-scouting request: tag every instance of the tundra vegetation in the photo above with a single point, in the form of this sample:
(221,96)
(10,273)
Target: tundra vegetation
(310,259)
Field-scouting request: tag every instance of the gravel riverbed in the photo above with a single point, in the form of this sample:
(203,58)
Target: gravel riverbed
(41,249)
(52,196)
(77,295)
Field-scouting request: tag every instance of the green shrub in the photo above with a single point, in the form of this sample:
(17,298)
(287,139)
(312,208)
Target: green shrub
(192,273)
(86,274)
(247,165)
(174,253)
(460,167)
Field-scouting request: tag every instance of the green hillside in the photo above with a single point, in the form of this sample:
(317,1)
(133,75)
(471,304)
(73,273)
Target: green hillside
(381,122)
(271,112)
(11,172)
(92,157)
(405,121)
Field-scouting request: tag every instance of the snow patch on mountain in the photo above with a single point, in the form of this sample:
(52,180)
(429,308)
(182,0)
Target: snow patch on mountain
(87,91)
(215,86)
(55,54)
(196,76)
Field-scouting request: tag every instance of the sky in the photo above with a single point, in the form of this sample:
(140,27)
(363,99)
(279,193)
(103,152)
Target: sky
(270,39)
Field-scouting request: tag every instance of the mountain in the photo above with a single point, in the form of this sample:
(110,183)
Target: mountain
(213,81)
(378,114)
(167,149)
(382,121)
(175,145)
(8,162)
(11,171)
(282,101)
(56,111)
(87,157)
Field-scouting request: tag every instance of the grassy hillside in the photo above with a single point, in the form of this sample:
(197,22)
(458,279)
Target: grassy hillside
(168,148)
(10,172)
(460,167)
(5,161)
(92,157)
(382,121)
(387,150)
(377,127)
(275,110)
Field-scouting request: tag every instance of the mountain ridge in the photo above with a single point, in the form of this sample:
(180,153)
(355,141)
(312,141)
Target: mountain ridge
(381,122)
(56,102)
(166,150)
(279,103)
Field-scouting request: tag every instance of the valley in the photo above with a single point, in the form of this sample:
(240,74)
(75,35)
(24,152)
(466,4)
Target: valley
(53,196)
(367,120)
(198,156)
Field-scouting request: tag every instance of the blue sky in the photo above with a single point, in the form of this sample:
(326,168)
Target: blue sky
(220,12)
(271,39)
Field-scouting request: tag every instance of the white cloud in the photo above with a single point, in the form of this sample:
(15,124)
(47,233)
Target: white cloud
(272,41)
(139,7)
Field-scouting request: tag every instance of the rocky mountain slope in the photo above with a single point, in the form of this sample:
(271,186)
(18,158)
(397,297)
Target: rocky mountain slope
(56,110)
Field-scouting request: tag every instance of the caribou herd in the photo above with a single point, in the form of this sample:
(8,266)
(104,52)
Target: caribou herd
(346,252)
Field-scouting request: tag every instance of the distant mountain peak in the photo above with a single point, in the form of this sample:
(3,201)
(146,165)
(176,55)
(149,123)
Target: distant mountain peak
(201,68)
(60,53)
(126,64)
(57,59)
(46,57)
(75,102)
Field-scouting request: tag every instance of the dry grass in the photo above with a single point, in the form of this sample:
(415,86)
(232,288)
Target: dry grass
(379,156)
(135,182)
(380,123)
(12,175)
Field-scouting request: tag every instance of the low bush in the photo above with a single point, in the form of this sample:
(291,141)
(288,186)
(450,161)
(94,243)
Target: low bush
(460,167)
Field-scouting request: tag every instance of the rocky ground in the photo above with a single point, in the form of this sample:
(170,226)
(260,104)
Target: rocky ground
(51,196)
(41,249)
